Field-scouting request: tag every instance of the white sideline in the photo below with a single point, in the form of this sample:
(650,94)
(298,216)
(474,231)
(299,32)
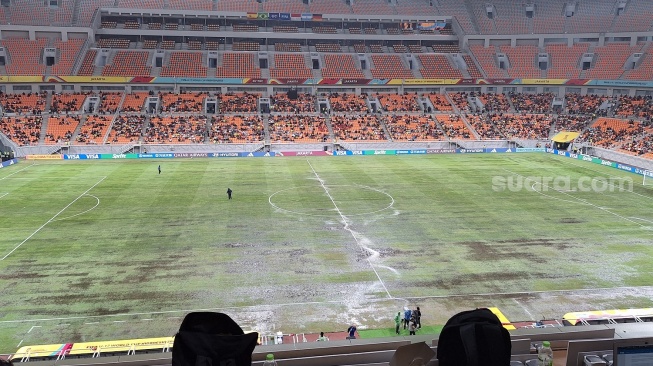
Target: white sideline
(52,219)
(346,223)
(17,171)
(4,194)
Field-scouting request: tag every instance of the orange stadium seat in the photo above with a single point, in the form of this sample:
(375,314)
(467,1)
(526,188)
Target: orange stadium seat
(285,6)
(185,64)
(389,67)
(486,59)
(298,128)
(68,102)
(440,102)
(413,128)
(454,127)
(357,128)
(238,65)
(290,65)
(88,64)
(24,131)
(25,55)
(69,52)
(203,5)
(340,66)
(610,60)
(126,129)
(523,61)
(437,66)
(565,60)
(23,103)
(182,102)
(236,129)
(128,63)
(94,129)
(239,102)
(60,129)
(134,102)
(399,102)
(342,102)
(329,7)
(176,130)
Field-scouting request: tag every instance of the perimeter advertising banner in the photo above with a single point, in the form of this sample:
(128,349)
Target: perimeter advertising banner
(599,161)
(8,163)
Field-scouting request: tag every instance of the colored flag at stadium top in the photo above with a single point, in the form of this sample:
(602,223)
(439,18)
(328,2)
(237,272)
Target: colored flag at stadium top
(565,136)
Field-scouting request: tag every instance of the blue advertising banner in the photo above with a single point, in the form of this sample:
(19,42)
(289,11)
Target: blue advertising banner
(284,16)
(599,161)
(81,156)
(530,149)
(8,163)
(158,156)
(410,152)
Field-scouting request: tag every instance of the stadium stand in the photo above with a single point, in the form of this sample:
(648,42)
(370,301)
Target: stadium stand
(239,102)
(413,128)
(88,64)
(238,65)
(285,6)
(329,7)
(237,5)
(440,102)
(305,102)
(357,128)
(454,127)
(372,7)
(24,103)
(340,66)
(485,126)
(389,67)
(67,103)
(637,17)
(298,128)
(460,100)
(236,129)
(583,104)
(398,102)
(128,63)
(94,129)
(493,102)
(486,58)
(343,102)
(437,66)
(110,102)
(591,17)
(290,65)
(182,102)
(60,129)
(574,123)
(176,129)
(610,60)
(611,132)
(643,71)
(565,60)
(185,64)
(113,43)
(635,107)
(205,5)
(523,61)
(25,56)
(24,131)
(525,126)
(134,102)
(126,129)
(532,103)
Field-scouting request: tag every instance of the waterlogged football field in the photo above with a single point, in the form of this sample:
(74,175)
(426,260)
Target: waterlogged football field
(113,250)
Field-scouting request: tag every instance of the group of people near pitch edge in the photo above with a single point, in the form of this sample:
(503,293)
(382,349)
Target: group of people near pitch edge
(411,320)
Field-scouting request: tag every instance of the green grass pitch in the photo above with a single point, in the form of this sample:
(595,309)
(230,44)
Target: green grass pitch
(97,250)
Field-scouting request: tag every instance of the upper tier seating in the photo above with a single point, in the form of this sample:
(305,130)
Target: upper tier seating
(113,43)
(185,64)
(238,65)
(126,129)
(459,10)
(88,66)
(510,17)
(437,66)
(637,17)
(298,128)
(413,128)
(329,7)
(236,129)
(25,55)
(290,65)
(548,17)
(129,63)
(415,7)
(372,7)
(644,71)
(610,60)
(246,46)
(24,131)
(237,5)
(523,61)
(472,69)
(595,17)
(564,60)
(389,67)
(340,66)
(69,52)
(486,58)
(141,4)
(60,129)
(31,12)
(287,47)
(285,6)
(205,5)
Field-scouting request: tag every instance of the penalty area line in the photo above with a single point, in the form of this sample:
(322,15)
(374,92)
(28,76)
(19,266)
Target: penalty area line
(16,172)
(52,219)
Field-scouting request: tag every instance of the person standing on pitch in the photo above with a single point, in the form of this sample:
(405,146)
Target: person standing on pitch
(159,169)
(229,192)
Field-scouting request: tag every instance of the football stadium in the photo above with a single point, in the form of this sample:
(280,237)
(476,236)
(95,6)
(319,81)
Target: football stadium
(306,166)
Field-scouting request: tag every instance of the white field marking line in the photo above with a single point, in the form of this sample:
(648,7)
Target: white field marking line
(184,311)
(32,328)
(16,172)
(610,176)
(641,219)
(19,343)
(346,223)
(581,200)
(52,219)
(556,198)
(4,194)
(524,308)
(392,201)
(81,213)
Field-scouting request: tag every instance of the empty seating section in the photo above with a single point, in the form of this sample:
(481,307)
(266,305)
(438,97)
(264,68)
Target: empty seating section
(24,131)
(284,29)
(168,45)
(415,7)
(298,128)
(127,63)
(486,58)
(360,48)
(399,48)
(510,17)
(399,102)
(329,7)
(176,130)
(245,46)
(65,103)
(644,71)
(454,127)
(68,54)
(445,48)
(525,126)
(548,17)
(287,47)
(30,12)
(637,17)
(25,56)
(154,26)
(212,45)
(412,128)
(472,69)
(583,104)
(94,129)
(523,61)
(185,64)
(290,65)
(112,43)
(324,30)
(62,16)
(237,5)
(88,64)
(459,10)
(357,128)
(564,60)
(376,48)
(440,102)
(485,24)
(285,6)
(134,102)
(205,5)
(60,129)
(610,60)
(238,65)
(372,7)
(370,31)
(437,66)
(415,48)
(236,129)
(23,103)
(182,102)
(239,102)
(109,102)
(485,126)
(595,16)
(610,132)
(340,66)
(393,31)
(304,103)
(245,28)
(195,45)
(328,47)
(532,103)
(126,129)
(389,67)
(141,4)
(342,102)
(150,44)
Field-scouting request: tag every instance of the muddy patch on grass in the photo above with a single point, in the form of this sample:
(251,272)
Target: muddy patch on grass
(571,220)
